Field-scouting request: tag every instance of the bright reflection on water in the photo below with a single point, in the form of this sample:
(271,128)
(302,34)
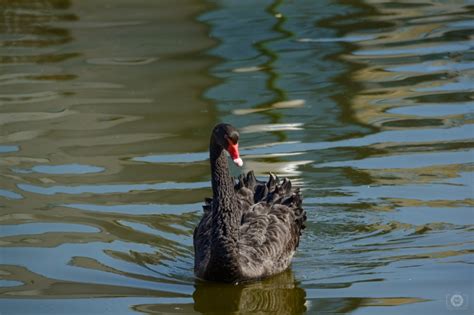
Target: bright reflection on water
(105,113)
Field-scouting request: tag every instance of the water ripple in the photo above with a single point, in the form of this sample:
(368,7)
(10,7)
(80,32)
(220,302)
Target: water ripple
(62,169)
(129,61)
(39,228)
(408,161)
(10,194)
(138,209)
(9,148)
(109,189)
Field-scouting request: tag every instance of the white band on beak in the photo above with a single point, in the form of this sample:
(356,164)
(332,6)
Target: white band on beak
(238,162)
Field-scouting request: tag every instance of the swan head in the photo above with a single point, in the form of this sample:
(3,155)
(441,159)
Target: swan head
(227,137)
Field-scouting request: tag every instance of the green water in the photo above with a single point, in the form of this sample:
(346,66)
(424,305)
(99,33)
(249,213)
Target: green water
(105,113)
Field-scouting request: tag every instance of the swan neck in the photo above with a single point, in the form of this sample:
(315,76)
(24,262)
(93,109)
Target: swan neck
(225,218)
(222,183)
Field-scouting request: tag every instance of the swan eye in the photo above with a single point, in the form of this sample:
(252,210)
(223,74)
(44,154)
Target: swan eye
(231,140)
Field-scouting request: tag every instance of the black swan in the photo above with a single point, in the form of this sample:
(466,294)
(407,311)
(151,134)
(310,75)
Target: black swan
(250,229)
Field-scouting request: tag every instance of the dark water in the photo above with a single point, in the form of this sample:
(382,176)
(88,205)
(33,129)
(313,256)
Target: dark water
(105,114)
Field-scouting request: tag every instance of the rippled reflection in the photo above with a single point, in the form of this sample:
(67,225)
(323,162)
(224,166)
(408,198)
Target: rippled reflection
(25,25)
(279,294)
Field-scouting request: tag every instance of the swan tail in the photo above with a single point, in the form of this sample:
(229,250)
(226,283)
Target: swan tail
(300,213)
(275,191)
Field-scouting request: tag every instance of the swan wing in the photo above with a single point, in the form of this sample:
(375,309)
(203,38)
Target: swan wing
(271,225)
(202,243)
(268,240)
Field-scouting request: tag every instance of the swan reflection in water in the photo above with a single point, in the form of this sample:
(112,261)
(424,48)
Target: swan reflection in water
(279,294)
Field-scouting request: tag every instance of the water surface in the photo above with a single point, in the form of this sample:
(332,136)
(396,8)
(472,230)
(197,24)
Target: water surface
(105,114)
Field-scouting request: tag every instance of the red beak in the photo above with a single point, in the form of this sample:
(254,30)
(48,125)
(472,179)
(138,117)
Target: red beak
(233,150)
